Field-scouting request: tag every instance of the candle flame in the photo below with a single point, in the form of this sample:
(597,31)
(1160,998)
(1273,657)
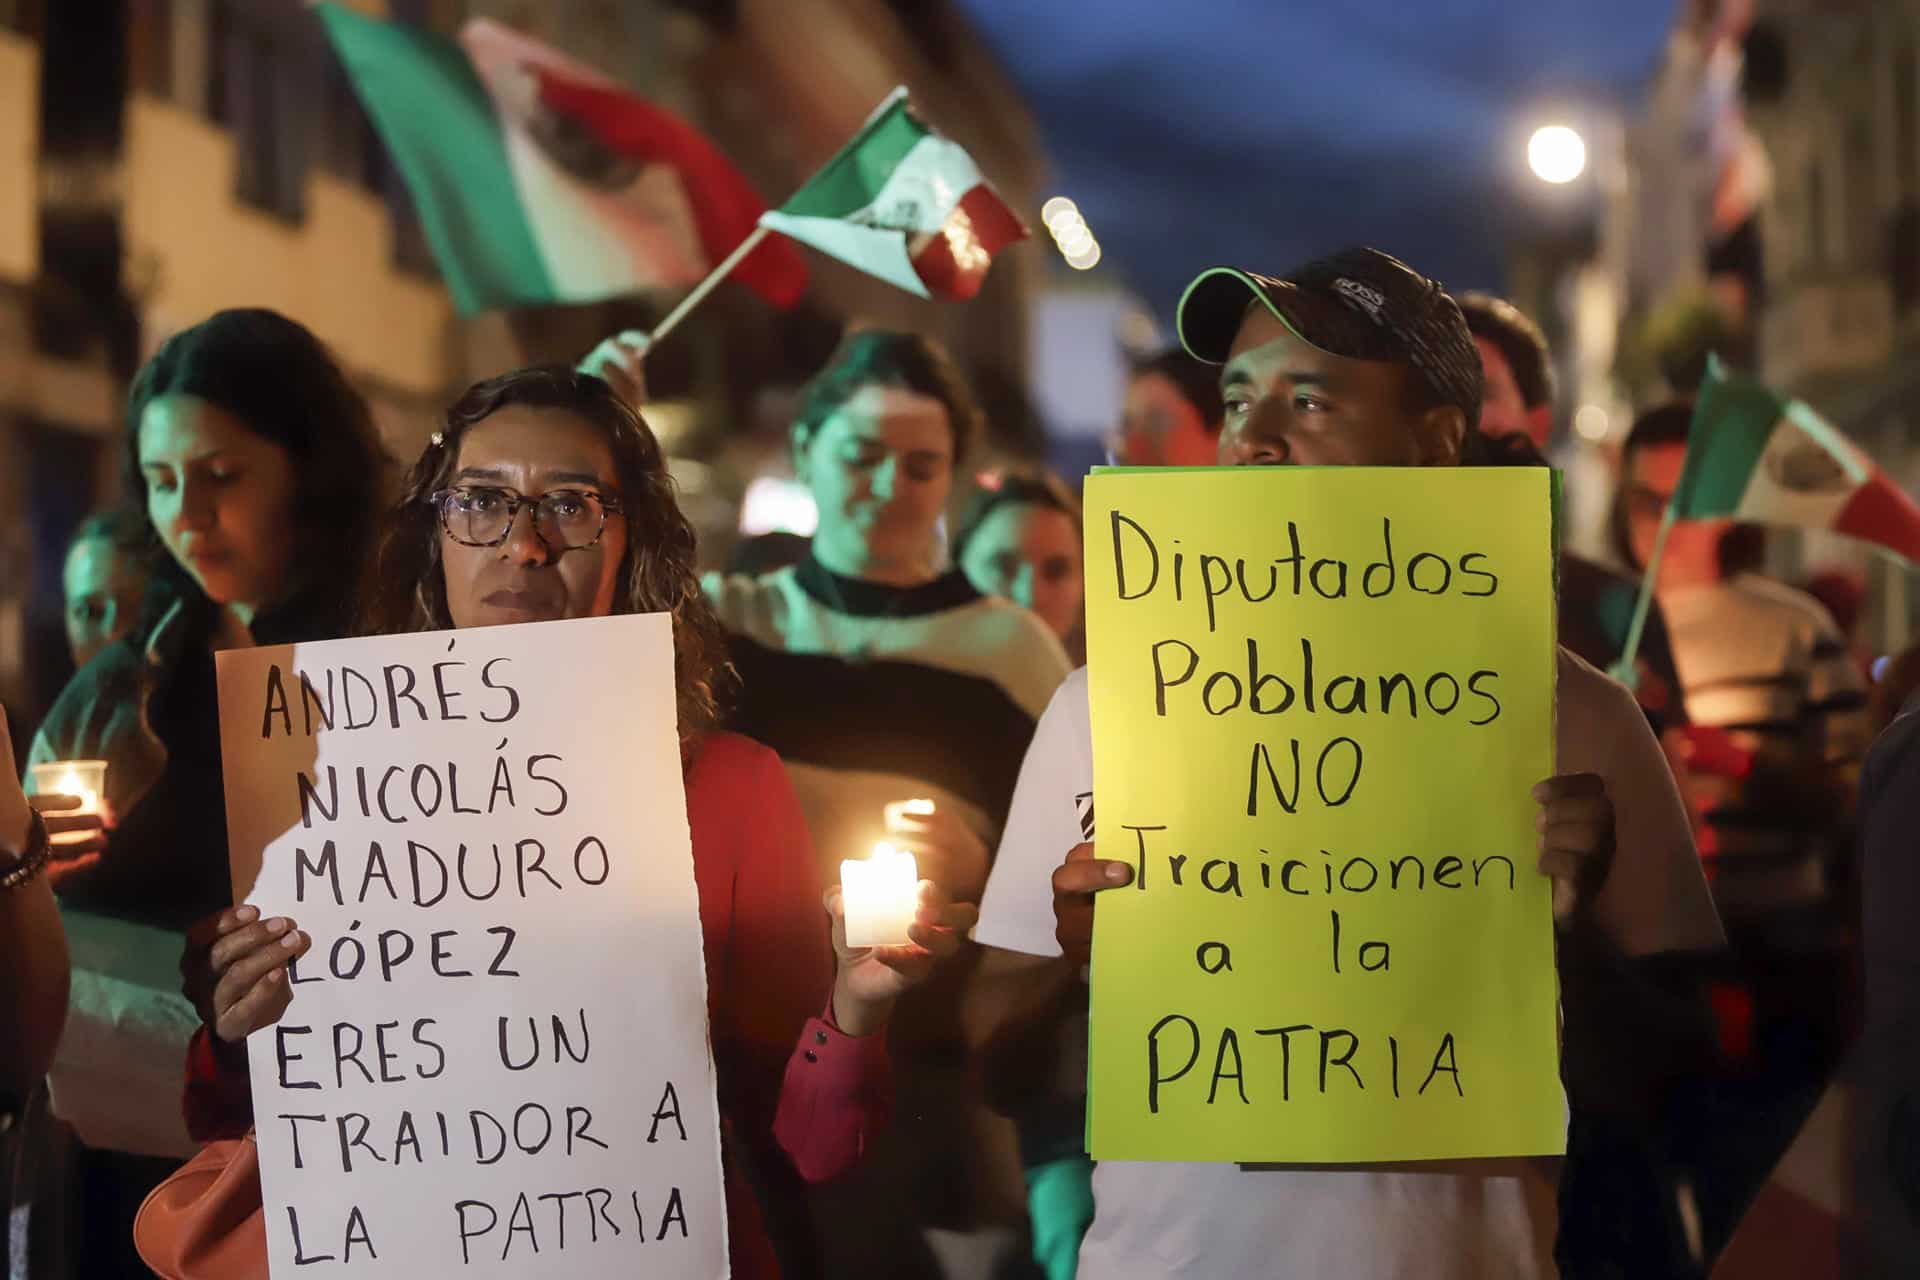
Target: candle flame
(70,785)
(918,808)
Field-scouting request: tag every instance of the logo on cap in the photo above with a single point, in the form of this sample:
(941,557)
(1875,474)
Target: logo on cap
(1368,299)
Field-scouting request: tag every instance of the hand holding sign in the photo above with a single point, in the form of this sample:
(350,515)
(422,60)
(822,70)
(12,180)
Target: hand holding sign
(236,970)
(1576,839)
(1319,701)
(1075,882)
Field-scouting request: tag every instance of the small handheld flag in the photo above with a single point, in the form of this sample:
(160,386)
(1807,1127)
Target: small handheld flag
(1759,457)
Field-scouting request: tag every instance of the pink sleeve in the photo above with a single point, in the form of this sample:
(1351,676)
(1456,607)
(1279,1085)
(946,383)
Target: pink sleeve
(837,1095)
(821,1093)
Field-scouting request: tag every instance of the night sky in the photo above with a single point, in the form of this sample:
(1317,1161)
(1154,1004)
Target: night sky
(1263,132)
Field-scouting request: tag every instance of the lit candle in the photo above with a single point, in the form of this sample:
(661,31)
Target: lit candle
(906,816)
(86,780)
(879,894)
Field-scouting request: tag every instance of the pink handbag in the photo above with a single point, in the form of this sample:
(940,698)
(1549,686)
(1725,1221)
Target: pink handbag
(206,1221)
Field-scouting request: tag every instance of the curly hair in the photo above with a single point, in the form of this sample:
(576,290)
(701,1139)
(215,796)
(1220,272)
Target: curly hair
(407,588)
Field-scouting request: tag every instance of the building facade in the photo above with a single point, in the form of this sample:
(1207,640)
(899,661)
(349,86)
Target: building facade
(163,159)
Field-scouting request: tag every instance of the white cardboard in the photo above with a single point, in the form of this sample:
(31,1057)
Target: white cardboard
(592,709)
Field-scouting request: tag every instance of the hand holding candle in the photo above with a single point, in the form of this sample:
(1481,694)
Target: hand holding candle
(950,853)
(71,798)
(889,933)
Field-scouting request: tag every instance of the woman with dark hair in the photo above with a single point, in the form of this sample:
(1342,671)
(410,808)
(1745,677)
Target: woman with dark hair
(259,470)
(1020,539)
(547,497)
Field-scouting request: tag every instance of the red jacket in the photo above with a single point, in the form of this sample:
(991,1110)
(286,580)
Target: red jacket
(794,1091)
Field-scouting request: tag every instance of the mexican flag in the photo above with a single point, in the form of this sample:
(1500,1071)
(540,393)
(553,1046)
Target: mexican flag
(1755,455)
(903,203)
(539,180)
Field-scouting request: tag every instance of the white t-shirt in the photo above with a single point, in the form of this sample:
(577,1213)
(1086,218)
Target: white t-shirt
(1154,1220)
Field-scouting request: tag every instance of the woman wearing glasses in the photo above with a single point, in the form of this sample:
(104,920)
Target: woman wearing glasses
(546,497)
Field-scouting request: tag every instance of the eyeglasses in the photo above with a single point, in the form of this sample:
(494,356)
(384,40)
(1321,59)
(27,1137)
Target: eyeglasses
(483,515)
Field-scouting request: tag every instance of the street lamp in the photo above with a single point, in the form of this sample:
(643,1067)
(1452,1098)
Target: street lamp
(1557,154)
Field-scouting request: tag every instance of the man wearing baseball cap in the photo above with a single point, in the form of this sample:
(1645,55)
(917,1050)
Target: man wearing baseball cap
(1356,360)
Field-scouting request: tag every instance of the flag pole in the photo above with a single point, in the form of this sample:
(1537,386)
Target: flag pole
(706,286)
(747,246)
(1625,670)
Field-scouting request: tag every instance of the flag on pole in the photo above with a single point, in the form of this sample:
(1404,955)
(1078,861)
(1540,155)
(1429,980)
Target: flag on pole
(1755,455)
(538,180)
(903,203)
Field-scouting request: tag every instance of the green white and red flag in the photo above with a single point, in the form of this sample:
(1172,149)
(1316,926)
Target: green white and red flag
(1755,455)
(903,203)
(539,180)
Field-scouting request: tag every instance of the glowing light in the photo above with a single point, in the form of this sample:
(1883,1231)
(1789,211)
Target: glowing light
(1085,261)
(1557,154)
(879,895)
(1590,422)
(1058,209)
(773,504)
(1076,241)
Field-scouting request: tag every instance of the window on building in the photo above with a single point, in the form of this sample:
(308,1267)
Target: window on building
(22,16)
(257,96)
(1906,119)
(150,48)
(1816,224)
(349,148)
(1863,193)
(411,252)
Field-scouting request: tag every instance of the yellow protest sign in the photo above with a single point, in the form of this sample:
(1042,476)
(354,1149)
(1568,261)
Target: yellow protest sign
(1321,699)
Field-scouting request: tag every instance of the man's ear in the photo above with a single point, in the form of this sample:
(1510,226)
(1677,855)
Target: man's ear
(1438,435)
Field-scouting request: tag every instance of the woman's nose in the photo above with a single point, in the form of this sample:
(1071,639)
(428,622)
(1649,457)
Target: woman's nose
(523,543)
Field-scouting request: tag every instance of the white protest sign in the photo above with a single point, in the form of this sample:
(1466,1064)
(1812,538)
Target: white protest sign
(496,1060)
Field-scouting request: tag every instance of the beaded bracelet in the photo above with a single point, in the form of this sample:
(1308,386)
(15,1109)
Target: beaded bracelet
(33,859)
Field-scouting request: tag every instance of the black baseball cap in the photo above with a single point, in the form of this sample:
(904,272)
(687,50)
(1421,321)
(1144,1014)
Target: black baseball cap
(1359,303)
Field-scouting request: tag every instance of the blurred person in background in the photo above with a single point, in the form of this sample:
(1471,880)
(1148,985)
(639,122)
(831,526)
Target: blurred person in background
(104,578)
(1766,671)
(1885,1071)
(882,677)
(1843,594)
(1617,1171)
(1895,682)
(259,469)
(1596,603)
(1171,414)
(797,1016)
(1020,538)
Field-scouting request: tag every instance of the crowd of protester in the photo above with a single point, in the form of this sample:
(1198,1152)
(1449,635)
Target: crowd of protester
(920,1111)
